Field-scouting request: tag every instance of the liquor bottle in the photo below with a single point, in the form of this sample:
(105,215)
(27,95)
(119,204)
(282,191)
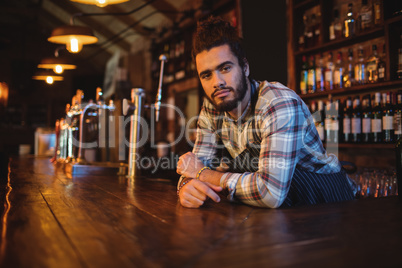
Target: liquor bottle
(347,116)
(356,121)
(349,23)
(320,123)
(319,74)
(315,25)
(360,68)
(381,65)
(377,12)
(338,71)
(372,66)
(335,29)
(328,122)
(311,86)
(329,73)
(367,117)
(398,116)
(365,16)
(388,120)
(349,76)
(399,71)
(309,34)
(335,122)
(301,41)
(303,76)
(376,122)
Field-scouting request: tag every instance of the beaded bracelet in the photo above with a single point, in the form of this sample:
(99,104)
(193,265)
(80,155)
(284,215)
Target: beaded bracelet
(181,186)
(199,172)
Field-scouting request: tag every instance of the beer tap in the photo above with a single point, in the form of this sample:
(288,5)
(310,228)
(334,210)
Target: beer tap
(162,58)
(136,104)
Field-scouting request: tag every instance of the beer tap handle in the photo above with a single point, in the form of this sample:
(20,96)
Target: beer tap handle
(162,58)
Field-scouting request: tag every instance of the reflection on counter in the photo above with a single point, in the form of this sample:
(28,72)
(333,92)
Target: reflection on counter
(374,183)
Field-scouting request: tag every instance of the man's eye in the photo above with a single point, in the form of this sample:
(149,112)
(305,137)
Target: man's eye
(205,76)
(226,68)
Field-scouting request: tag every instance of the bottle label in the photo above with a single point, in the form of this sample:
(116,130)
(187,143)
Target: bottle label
(356,126)
(381,72)
(328,122)
(328,75)
(331,32)
(388,122)
(346,126)
(376,125)
(311,78)
(337,77)
(366,125)
(398,123)
(320,130)
(335,125)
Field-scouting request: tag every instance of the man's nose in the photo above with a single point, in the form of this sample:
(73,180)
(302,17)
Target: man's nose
(218,80)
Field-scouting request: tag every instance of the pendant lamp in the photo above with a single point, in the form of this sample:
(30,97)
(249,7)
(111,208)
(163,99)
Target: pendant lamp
(100,3)
(47,76)
(58,65)
(74,37)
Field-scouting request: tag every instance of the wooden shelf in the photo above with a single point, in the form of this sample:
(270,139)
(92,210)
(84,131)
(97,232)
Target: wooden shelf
(344,42)
(361,145)
(353,90)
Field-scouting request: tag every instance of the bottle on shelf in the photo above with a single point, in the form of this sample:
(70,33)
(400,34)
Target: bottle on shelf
(338,71)
(376,122)
(349,22)
(303,76)
(349,75)
(347,117)
(319,74)
(377,12)
(302,33)
(388,120)
(399,70)
(309,33)
(382,65)
(329,73)
(367,117)
(356,121)
(360,68)
(365,16)
(398,116)
(372,66)
(335,29)
(328,121)
(311,79)
(320,120)
(315,25)
(335,122)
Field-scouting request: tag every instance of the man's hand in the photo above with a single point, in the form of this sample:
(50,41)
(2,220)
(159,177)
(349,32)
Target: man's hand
(189,165)
(195,192)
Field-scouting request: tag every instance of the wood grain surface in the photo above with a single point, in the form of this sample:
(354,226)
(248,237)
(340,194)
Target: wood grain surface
(50,220)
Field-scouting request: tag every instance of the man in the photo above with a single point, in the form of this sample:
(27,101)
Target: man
(262,133)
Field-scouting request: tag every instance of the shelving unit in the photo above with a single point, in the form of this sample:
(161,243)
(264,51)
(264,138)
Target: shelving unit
(387,32)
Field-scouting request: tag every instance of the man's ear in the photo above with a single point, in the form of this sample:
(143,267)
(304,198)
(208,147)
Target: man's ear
(246,68)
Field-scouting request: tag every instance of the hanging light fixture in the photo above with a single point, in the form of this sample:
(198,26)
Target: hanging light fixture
(58,65)
(74,37)
(100,3)
(47,76)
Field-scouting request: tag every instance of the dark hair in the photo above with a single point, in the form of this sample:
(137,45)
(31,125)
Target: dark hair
(213,32)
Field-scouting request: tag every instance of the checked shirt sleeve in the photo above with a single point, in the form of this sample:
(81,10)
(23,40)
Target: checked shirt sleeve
(281,129)
(205,147)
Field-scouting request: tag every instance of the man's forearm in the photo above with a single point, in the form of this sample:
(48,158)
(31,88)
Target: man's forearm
(211,176)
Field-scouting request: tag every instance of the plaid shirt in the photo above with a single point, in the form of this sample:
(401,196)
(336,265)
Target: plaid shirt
(281,127)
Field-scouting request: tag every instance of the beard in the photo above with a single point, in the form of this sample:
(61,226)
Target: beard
(239,93)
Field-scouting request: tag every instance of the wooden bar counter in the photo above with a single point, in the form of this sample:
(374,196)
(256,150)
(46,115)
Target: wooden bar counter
(50,220)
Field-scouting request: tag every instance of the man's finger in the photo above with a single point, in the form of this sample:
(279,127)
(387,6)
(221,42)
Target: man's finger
(207,190)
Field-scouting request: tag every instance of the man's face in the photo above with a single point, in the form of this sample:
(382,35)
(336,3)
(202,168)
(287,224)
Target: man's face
(222,78)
